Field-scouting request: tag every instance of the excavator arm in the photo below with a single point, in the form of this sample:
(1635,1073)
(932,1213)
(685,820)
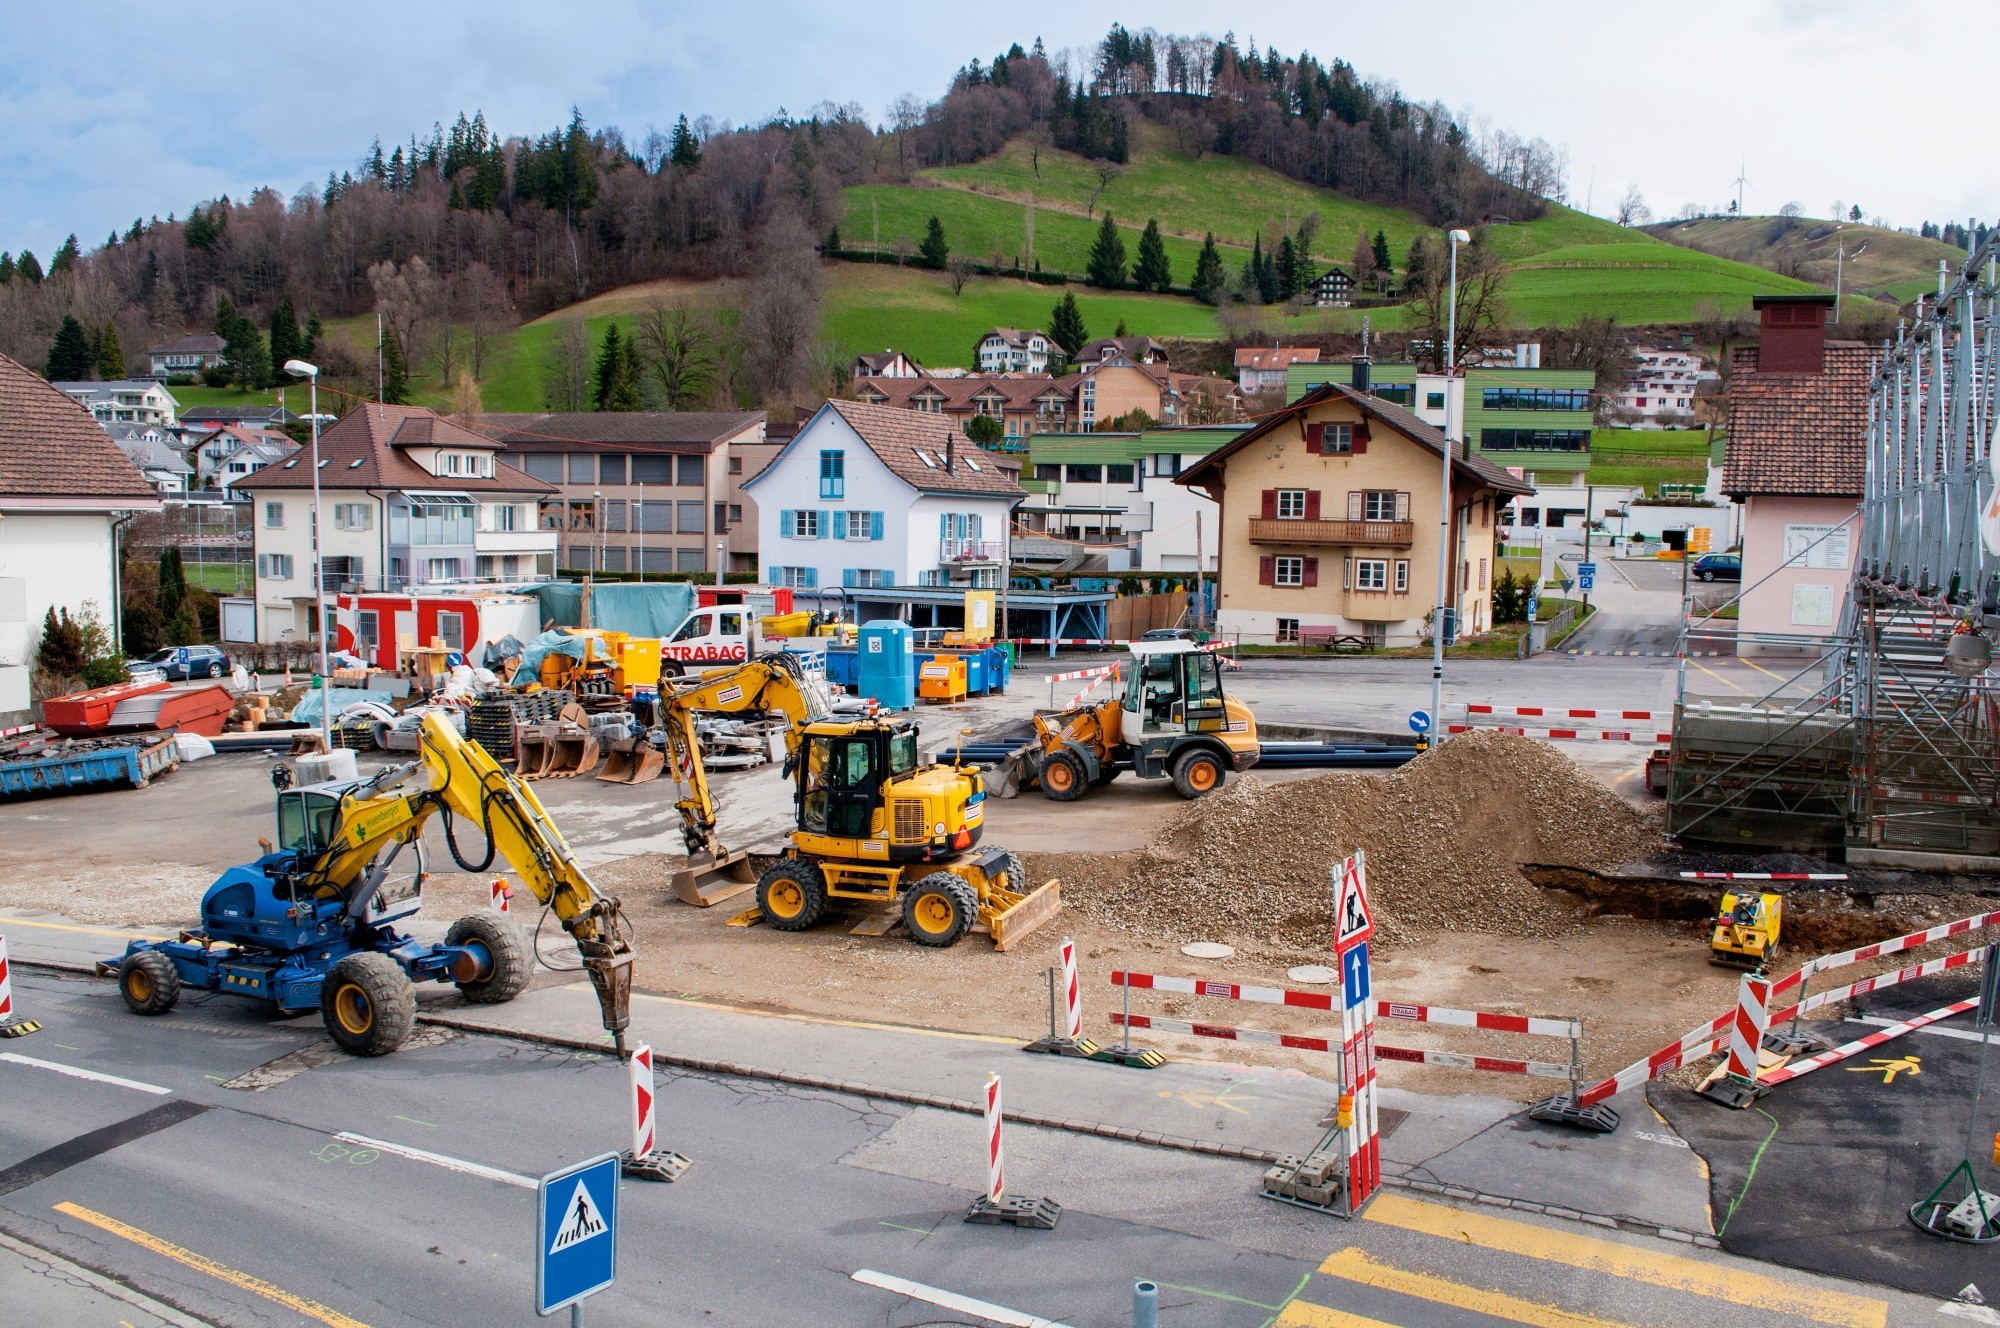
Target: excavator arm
(769,682)
(376,823)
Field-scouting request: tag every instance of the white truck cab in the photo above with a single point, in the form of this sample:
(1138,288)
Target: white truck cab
(724,634)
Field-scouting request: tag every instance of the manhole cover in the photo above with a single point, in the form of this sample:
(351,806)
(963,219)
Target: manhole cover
(1313,973)
(1207,950)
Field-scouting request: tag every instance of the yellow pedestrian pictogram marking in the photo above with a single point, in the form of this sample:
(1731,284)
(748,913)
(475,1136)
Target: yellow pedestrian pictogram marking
(1889,1069)
(1700,1277)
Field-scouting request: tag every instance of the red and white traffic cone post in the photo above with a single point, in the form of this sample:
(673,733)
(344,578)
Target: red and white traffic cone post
(502,895)
(1070,1041)
(12,1025)
(996,1207)
(1737,1086)
(646,1160)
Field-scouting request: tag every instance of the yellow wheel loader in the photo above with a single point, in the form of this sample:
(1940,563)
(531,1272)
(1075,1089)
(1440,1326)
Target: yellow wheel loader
(876,828)
(1746,931)
(1173,722)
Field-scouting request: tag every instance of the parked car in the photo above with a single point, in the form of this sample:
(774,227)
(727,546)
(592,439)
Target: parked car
(1719,567)
(1168,634)
(201,662)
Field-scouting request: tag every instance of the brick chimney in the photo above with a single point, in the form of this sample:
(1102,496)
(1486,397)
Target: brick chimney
(1791,333)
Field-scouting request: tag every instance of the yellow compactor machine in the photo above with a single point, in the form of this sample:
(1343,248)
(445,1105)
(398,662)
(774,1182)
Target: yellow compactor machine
(877,828)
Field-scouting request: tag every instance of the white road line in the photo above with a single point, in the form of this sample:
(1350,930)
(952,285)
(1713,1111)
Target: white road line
(951,1300)
(1933,1030)
(78,1073)
(440,1160)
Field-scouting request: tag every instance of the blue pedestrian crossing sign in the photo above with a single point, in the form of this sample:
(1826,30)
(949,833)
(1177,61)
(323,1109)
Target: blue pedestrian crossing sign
(1354,975)
(576,1233)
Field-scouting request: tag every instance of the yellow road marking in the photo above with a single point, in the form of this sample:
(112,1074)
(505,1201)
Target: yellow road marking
(822,1019)
(6,922)
(1354,1265)
(1305,1314)
(1718,677)
(1760,668)
(1889,1069)
(311,1309)
(1714,1280)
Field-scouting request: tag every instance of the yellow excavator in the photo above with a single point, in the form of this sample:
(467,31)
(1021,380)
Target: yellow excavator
(312,923)
(876,827)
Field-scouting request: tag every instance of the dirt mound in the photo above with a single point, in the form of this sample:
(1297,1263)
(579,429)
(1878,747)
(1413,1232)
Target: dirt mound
(1445,837)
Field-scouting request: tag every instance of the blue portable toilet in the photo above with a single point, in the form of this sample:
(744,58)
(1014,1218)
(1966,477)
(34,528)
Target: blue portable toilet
(886,664)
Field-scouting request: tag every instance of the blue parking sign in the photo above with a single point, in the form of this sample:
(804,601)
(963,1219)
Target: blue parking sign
(576,1233)
(1354,982)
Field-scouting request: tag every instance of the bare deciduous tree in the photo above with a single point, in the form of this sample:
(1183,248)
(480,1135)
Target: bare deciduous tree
(958,269)
(677,344)
(1481,279)
(483,303)
(566,367)
(1107,171)
(781,312)
(1632,209)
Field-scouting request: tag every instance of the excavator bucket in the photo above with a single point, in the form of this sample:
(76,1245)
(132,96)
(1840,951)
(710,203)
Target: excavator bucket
(1009,917)
(575,754)
(708,879)
(632,761)
(534,750)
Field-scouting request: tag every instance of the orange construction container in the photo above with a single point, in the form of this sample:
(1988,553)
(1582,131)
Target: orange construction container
(81,714)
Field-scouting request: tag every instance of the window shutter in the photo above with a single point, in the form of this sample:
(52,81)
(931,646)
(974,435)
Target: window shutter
(874,525)
(1312,504)
(848,577)
(944,525)
(1312,572)
(785,523)
(1315,437)
(1354,505)
(1402,506)
(840,525)
(1267,571)
(1360,436)
(1270,503)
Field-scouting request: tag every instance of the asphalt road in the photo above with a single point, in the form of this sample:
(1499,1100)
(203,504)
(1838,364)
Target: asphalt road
(290,1203)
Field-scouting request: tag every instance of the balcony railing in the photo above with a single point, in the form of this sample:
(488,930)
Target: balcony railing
(969,551)
(1381,534)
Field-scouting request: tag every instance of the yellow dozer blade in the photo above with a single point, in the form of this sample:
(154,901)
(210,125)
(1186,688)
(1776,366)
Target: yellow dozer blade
(632,761)
(1009,917)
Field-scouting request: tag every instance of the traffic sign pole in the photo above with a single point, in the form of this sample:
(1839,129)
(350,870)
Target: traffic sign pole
(1353,924)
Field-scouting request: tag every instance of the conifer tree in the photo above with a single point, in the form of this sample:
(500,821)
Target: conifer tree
(286,343)
(71,356)
(173,583)
(29,268)
(1106,267)
(617,373)
(65,259)
(1153,271)
(310,342)
(934,250)
(110,355)
(1066,327)
(685,149)
(1208,279)
(395,370)
(1383,262)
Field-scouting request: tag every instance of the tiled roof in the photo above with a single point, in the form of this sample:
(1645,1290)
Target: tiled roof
(364,450)
(1275,357)
(896,436)
(1802,434)
(204,343)
(1132,348)
(1475,467)
(237,415)
(1014,336)
(1020,391)
(50,447)
(629,430)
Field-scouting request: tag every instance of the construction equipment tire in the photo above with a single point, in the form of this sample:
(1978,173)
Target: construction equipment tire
(1062,777)
(791,894)
(939,909)
(1106,772)
(149,982)
(368,1004)
(1016,869)
(511,969)
(1197,773)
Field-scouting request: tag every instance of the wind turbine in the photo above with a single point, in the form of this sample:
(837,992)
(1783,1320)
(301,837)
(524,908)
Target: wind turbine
(1741,182)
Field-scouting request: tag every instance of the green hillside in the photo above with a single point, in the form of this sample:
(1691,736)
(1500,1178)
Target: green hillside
(1894,265)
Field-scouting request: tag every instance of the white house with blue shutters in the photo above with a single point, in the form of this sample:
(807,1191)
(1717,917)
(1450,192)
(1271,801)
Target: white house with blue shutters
(867,496)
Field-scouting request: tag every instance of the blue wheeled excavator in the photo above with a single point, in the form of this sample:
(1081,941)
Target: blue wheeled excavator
(313,923)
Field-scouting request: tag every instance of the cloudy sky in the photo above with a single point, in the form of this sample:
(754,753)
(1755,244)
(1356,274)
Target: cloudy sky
(105,116)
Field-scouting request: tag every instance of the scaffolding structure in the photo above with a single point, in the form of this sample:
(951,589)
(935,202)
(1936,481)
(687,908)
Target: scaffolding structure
(1884,742)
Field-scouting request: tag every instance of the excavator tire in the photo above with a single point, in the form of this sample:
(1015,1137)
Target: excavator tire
(1062,777)
(368,1004)
(791,894)
(1197,773)
(511,969)
(1106,772)
(149,982)
(1017,872)
(939,908)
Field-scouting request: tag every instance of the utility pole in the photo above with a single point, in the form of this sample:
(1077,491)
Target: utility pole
(639,525)
(1200,579)
(1456,238)
(1589,493)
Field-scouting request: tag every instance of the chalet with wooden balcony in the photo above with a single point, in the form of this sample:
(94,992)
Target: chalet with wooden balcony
(1331,525)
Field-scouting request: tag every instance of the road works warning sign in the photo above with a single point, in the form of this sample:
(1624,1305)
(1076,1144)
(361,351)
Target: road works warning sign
(1352,922)
(576,1233)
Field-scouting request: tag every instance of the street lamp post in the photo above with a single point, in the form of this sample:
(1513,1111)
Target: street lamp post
(639,528)
(310,372)
(597,519)
(1444,502)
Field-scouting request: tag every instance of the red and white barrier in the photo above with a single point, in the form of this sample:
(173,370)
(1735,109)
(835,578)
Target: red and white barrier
(1305,1042)
(1802,1067)
(996,1176)
(1929,968)
(1747,1027)
(500,896)
(644,1127)
(1763,876)
(1455,1060)
(1557,712)
(1072,997)
(1089,687)
(1321,1000)
(1654,736)
(6,985)
(1895,945)
(1074,674)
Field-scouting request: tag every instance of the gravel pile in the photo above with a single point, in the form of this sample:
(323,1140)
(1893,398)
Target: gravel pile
(1445,837)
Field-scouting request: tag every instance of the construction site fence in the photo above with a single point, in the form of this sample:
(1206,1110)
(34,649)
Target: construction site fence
(1705,1039)
(1570,1029)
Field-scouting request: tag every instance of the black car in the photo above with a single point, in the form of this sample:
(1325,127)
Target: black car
(200,662)
(1719,567)
(1167,634)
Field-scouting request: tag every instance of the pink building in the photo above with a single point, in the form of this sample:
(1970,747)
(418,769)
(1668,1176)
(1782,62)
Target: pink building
(1798,414)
